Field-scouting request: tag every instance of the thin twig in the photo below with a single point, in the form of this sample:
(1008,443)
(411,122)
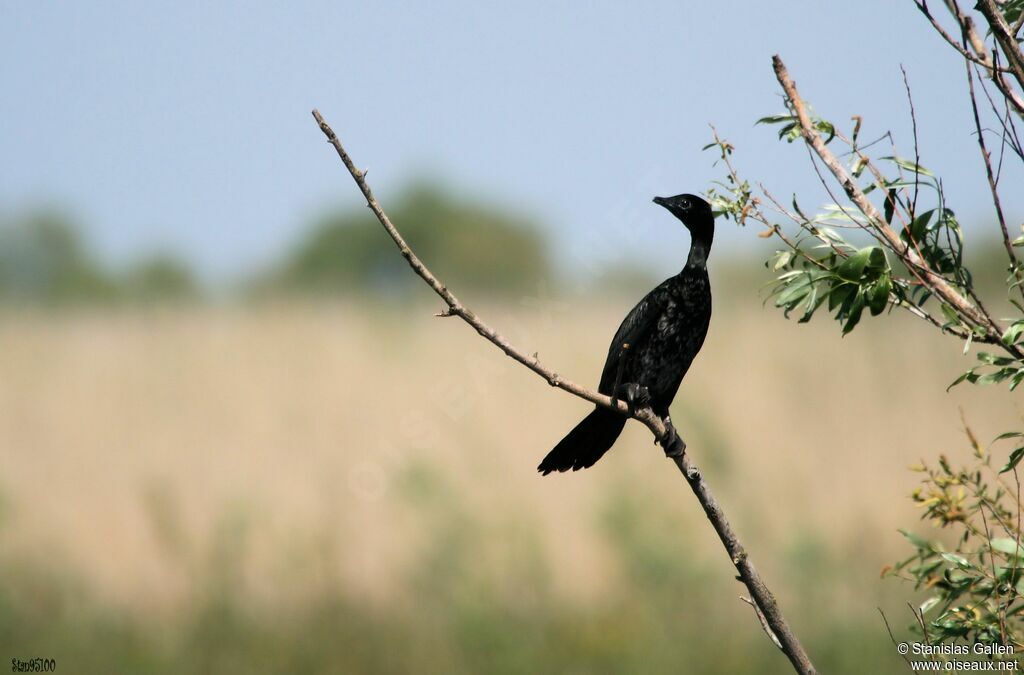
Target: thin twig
(922,5)
(760,593)
(920,622)
(917,151)
(891,636)
(764,622)
(1005,121)
(995,576)
(992,186)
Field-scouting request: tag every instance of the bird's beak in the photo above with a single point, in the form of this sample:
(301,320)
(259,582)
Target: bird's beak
(660,201)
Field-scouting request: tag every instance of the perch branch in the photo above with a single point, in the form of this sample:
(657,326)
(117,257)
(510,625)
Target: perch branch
(759,592)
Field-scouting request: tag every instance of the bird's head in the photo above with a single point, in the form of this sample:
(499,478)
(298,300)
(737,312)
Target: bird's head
(694,212)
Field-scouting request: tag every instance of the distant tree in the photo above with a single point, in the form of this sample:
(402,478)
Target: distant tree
(42,260)
(160,279)
(481,245)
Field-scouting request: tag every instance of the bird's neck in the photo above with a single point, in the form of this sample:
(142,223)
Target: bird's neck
(700,247)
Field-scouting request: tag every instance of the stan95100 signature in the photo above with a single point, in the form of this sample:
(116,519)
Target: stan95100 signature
(33,665)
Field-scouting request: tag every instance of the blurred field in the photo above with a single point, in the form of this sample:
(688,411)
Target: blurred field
(338,488)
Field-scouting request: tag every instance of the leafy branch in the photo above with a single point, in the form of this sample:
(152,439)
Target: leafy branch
(914,261)
(976,587)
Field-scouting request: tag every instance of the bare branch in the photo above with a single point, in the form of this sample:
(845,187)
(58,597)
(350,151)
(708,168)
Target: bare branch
(966,24)
(922,5)
(985,58)
(917,148)
(1003,35)
(760,593)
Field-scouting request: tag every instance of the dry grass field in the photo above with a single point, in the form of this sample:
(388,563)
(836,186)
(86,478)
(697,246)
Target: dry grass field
(153,460)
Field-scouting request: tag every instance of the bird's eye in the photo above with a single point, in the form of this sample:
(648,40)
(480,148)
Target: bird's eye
(684,203)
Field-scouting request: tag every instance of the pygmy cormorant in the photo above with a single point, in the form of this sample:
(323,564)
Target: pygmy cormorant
(653,348)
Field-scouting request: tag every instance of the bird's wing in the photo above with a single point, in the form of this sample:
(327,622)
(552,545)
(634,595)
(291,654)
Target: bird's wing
(631,333)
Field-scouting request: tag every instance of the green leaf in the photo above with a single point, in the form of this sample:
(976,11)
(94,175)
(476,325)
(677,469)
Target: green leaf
(825,128)
(909,165)
(781,260)
(1007,546)
(890,205)
(1014,459)
(1012,11)
(813,303)
(916,540)
(843,212)
(852,268)
(1008,434)
(794,291)
(919,226)
(876,259)
(1016,380)
(950,314)
(856,309)
(790,132)
(957,560)
(963,378)
(923,570)
(878,296)
(1013,332)
(796,207)
(840,292)
(774,119)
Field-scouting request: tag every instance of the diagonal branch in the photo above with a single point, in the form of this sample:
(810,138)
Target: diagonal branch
(759,592)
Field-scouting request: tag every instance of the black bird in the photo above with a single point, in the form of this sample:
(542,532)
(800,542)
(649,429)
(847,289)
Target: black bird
(653,348)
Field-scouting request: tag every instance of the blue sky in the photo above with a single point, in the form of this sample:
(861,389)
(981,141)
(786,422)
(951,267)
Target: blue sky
(186,126)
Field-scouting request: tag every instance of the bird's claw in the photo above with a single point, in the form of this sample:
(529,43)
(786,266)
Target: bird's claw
(636,396)
(673,443)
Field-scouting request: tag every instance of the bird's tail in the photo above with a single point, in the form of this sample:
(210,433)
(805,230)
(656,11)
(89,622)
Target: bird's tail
(585,444)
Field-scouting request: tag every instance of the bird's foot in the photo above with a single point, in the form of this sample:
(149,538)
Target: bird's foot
(672,442)
(635,395)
